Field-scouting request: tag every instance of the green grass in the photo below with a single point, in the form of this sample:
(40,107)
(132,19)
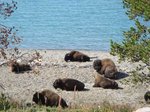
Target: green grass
(7,106)
(48,109)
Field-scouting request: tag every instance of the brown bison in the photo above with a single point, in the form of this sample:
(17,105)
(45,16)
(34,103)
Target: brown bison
(17,67)
(68,84)
(49,98)
(76,56)
(106,67)
(105,83)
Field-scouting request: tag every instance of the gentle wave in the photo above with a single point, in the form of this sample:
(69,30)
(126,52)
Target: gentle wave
(69,24)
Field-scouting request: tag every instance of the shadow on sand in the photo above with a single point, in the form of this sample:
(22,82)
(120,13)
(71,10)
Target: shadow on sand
(121,75)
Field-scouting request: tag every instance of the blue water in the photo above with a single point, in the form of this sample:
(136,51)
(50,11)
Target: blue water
(69,24)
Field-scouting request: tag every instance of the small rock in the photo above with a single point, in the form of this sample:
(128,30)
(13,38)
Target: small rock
(144,109)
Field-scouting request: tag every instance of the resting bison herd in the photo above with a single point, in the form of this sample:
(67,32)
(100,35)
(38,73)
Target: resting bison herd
(105,78)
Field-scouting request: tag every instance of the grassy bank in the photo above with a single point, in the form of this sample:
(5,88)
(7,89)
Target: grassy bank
(6,105)
(108,108)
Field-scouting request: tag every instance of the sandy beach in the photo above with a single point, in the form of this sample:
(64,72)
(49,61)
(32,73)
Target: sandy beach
(52,66)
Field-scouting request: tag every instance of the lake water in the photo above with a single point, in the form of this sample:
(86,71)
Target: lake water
(69,24)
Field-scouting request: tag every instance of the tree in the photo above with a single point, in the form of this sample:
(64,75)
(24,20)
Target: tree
(136,42)
(8,35)
(9,38)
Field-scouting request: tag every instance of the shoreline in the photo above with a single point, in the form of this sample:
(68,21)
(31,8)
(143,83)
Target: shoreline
(63,49)
(69,50)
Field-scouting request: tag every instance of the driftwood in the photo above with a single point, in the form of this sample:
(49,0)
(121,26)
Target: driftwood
(31,58)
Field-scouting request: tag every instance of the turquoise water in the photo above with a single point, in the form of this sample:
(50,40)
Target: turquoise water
(69,24)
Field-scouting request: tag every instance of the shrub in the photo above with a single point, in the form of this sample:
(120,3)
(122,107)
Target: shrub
(136,43)
(4,103)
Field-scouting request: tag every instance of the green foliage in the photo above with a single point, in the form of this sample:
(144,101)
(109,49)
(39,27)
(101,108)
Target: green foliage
(4,103)
(134,47)
(136,42)
(137,78)
(137,8)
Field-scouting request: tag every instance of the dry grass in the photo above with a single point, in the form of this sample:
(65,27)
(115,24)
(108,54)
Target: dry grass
(7,106)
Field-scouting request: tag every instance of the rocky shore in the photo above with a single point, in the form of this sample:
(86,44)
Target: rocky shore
(52,66)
